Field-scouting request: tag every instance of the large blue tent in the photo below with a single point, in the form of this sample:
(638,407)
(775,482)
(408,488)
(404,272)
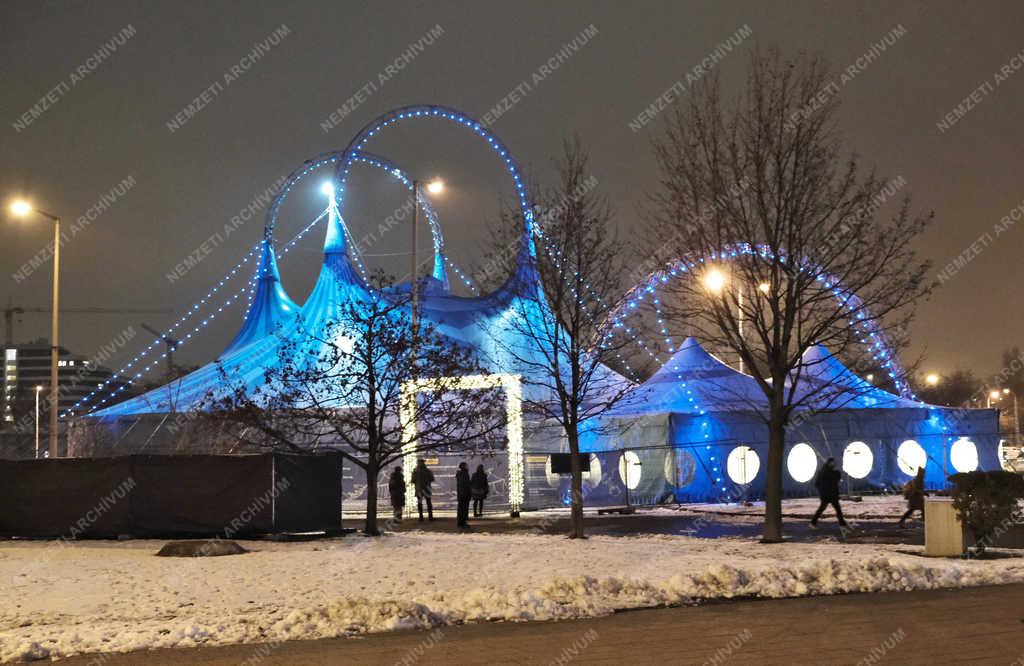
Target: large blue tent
(695,430)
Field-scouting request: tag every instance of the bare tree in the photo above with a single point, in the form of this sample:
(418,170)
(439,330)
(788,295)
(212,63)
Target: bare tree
(785,238)
(568,326)
(345,386)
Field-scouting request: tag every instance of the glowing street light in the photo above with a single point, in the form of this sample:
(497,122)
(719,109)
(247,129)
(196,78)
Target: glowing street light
(714,280)
(932,379)
(435,186)
(764,288)
(23,208)
(993,396)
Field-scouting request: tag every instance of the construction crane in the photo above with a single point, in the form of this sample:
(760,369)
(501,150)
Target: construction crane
(170,343)
(11,310)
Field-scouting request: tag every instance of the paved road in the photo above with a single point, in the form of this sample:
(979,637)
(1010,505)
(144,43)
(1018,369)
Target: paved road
(973,626)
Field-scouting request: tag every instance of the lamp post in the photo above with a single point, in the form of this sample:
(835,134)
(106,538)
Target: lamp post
(715,281)
(39,389)
(22,209)
(435,186)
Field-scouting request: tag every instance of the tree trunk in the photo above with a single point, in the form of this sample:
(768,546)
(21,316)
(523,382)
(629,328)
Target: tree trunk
(372,473)
(773,478)
(576,530)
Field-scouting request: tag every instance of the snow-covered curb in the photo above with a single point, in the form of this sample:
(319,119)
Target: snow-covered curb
(110,598)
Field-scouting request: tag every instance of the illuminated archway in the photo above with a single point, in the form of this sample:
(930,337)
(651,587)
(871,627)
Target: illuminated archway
(684,267)
(512,386)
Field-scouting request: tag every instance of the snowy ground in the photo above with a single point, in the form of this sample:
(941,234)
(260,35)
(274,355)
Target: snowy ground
(107,596)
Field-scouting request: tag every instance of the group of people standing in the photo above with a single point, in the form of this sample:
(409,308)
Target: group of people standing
(827,482)
(468,488)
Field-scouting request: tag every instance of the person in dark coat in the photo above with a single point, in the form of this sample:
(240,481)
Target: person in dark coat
(827,483)
(913,490)
(463,493)
(479,488)
(396,487)
(422,478)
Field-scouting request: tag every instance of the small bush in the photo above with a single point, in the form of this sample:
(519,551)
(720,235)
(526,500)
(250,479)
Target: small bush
(985,501)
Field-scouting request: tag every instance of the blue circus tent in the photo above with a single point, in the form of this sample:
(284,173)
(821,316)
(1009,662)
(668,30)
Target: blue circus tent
(696,431)
(273,322)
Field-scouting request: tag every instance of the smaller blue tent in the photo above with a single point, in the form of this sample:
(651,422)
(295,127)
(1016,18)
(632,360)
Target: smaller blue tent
(696,431)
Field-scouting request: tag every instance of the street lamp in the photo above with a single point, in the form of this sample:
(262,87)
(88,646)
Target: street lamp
(39,389)
(23,208)
(993,396)
(436,186)
(932,379)
(715,281)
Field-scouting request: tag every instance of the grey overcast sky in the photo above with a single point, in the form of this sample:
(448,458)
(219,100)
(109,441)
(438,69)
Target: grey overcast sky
(107,121)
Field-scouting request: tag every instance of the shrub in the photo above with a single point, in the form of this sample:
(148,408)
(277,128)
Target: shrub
(986,501)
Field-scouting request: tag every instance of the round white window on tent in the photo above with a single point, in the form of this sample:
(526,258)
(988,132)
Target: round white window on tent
(630,469)
(858,459)
(593,477)
(802,463)
(964,455)
(910,457)
(742,464)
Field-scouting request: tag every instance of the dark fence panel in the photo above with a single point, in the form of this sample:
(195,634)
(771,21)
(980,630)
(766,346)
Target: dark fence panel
(308,492)
(70,498)
(170,496)
(196,495)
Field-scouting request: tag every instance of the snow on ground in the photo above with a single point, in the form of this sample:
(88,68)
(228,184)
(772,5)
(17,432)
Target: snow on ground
(61,600)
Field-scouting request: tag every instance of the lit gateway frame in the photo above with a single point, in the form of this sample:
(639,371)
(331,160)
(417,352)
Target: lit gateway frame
(512,385)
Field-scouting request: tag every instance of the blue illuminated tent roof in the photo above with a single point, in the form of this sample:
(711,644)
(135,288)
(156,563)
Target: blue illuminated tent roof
(694,381)
(273,320)
(270,308)
(825,383)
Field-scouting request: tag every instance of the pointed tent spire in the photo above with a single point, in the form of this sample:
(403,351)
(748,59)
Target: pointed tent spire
(844,387)
(334,242)
(270,305)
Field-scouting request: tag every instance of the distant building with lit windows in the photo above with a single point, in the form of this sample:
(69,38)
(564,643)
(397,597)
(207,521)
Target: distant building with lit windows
(27,366)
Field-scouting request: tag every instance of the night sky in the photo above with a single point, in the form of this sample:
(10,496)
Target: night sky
(112,123)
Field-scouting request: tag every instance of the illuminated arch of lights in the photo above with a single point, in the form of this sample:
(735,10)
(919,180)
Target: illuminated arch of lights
(869,332)
(136,368)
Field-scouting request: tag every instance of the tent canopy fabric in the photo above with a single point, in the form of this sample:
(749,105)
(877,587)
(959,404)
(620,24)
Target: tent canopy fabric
(693,381)
(273,322)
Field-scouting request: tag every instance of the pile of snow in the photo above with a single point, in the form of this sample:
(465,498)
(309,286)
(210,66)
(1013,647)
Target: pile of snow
(96,596)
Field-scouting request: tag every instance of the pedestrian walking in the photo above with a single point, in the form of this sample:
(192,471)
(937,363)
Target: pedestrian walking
(913,490)
(396,488)
(827,483)
(479,488)
(463,493)
(422,479)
